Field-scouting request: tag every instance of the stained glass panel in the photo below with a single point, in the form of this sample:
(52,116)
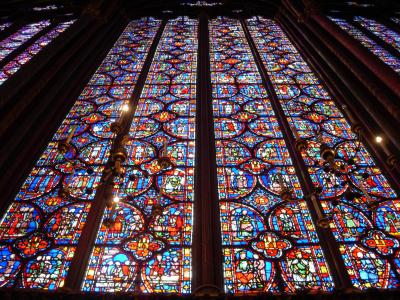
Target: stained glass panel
(13,66)
(144,243)
(381,31)
(15,40)
(362,208)
(147,247)
(396,20)
(4,26)
(384,55)
(41,228)
(268,238)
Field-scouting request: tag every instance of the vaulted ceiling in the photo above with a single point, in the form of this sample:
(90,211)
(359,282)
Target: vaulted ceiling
(191,7)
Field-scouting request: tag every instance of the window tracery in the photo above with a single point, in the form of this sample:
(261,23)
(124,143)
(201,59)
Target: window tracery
(149,243)
(40,230)
(356,197)
(14,65)
(381,31)
(389,59)
(270,239)
(4,26)
(11,43)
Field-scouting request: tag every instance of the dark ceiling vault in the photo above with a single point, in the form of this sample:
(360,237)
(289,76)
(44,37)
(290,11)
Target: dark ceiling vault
(14,8)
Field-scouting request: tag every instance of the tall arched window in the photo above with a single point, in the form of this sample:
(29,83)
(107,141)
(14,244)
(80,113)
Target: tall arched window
(355,195)
(147,247)
(5,25)
(15,64)
(384,55)
(381,31)
(267,232)
(110,206)
(11,43)
(41,228)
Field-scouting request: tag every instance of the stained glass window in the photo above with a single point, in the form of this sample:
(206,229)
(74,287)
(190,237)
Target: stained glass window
(381,31)
(148,246)
(396,20)
(14,65)
(41,228)
(48,7)
(362,207)
(270,231)
(4,26)
(15,40)
(269,244)
(379,51)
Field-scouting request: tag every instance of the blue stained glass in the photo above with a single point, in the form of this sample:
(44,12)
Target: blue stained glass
(46,219)
(260,230)
(4,26)
(362,206)
(385,56)
(15,40)
(381,31)
(144,242)
(396,20)
(147,249)
(13,66)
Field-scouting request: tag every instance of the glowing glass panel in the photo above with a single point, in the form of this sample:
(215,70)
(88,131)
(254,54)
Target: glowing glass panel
(5,26)
(13,66)
(41,228)
(11,43)
(367,237)
(396,20)
(381,31)
(147,249)
(376,49)
(269,244)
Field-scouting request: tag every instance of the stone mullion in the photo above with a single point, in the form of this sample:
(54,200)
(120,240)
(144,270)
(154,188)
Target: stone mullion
(389,48)
(207,247)
(17,25)
(46,102)
(376,88)
(27,44)
(390,24)
(320,25)
(358,114)
(33,68)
